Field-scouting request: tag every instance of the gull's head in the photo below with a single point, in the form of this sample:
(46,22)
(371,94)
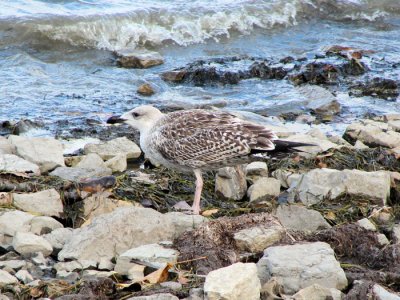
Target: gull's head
(142,117)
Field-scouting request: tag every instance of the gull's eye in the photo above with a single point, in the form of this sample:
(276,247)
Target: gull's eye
(135,114)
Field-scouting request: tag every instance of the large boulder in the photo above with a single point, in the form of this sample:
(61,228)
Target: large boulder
(46,202)
(236,282)
(13,163)
(114,147)
(320,184)
(46,153)
(111,234)
(300,265)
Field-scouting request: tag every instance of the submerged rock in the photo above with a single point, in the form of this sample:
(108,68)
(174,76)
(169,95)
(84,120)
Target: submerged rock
(300,265)
(139,59)
(91,161)
(42,225)
(236,282)
(264,71)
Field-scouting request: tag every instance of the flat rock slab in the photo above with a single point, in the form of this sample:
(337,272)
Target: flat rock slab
(301,265)
(13,163)
(236,282)
(162,296)
(77,174)
(46,153)
(256,239)
(320,184)
(46,202)
(114,147)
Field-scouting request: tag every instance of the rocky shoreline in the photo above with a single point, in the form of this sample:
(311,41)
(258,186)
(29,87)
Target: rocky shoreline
(324,223)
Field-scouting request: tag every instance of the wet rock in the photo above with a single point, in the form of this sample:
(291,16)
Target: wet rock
(44,152)
(319,184)
(320,100)
(372,133)
(255,170)
(236,282)
(367,224)
(47,202)
(117,164)
(114,147)
(58,237)
(353,67)
(26,125)
(316,73)
(116,232)
(174,76)
(230,183)
(42,225)
(382,239)
(300,265)
(91,161)
(264,71)
(300,218)
(183,222)
(264,189)
(24,276)
(162,296)
(382,294)
(377,87)
(13,221)
(6,278)
(318,292)
(145,90)
(141,59)
(153,255)
(77,174)
(256,239)
(13,163)
(26,243)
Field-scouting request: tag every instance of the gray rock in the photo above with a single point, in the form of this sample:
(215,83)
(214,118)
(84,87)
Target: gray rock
(183,222)
(130,269)
(118,163)
(320,145)
(236,282)
(111,234)
(141,59)
(256,239)
(163,296)
(300,218)
(382,239)
(320,100)
(24,276)
(286,178)
(58,237)
(300,265)
(255,170)
(95,273)
(230,183)
(44,225)
(13,163)
(175,286)
(339,140)
(6,278)
(14,264)
(367,224)
(145,89)
(26,243)
(264,189)
(114,147)
(47,202)
(396,233)
(14,220)
(5,146)
(44,152)
(318,292)
(74,265)
(91,161)
(68,276)
(381,293)
(319,184)
(77,174)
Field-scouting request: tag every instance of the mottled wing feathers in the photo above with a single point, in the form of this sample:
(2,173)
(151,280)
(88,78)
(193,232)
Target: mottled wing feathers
(201,139)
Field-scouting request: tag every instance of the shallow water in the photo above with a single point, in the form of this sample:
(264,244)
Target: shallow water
(56,60)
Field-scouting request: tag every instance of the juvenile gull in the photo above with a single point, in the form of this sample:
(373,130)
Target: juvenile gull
(198,140)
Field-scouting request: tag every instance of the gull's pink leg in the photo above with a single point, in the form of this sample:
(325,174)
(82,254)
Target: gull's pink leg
(197,194)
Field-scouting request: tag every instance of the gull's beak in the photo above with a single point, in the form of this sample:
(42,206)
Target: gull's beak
(115,120)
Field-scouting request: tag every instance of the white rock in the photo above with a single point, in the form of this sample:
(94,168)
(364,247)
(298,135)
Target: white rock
(394,125)
(14,220)
(105,264)
(24,276)
(29,243)
(77,174)
(183,222)
(300,265)
(6,278)
(14,264)
(230,183)
(296,217)
(236,282)
(153,254)
(256,239)
(367,224)
(47,202)
(319,184)
(381,293)
(382,239)
(114,147)
(264,189)
(44,225)
(46,153)
(13,163)
(360,145)
(91,161)
(317,292)
(111,234)
(162,296)
(58,237)
(118,163)
(5,146)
